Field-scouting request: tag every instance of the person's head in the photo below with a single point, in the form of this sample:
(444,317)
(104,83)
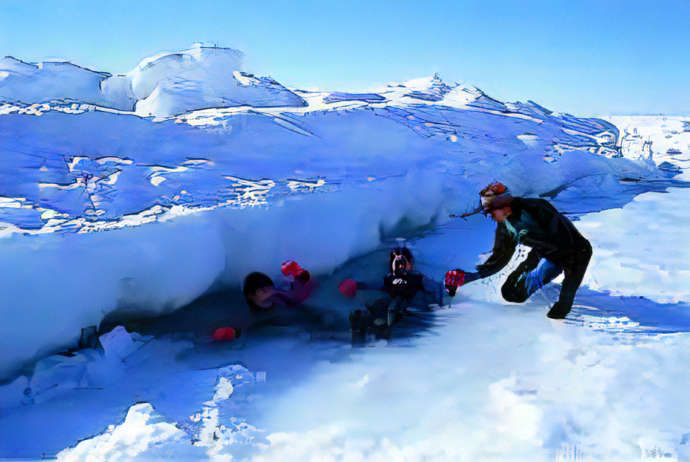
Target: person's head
(257,289)
(400,261)
(496,200)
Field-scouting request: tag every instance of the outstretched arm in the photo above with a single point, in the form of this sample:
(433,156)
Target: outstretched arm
(504,248)
(432,290)
(349,287)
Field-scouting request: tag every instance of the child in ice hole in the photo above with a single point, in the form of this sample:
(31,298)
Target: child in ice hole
(262,296)
(403,287)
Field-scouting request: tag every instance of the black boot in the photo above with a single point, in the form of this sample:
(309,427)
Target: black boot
(558,311)
(358,323)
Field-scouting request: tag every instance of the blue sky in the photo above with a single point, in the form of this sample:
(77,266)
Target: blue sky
(584,57)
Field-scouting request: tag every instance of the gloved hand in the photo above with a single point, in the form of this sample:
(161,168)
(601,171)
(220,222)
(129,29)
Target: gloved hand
(292,268)
(454,279)
(348,288)
(226,333)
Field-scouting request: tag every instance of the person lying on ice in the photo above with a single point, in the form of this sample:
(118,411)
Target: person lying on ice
(403,287)
(262,296)
(556,247)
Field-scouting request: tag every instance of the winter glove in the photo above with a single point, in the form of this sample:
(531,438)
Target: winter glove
(348,288)
(454,279)
(292,268)
(226,333)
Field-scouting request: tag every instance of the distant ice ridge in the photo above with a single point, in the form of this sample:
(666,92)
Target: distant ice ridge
(48,81)
(164,85)
(198,200)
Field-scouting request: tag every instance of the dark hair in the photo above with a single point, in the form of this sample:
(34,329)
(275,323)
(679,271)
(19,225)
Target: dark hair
(253,282)
(404,251)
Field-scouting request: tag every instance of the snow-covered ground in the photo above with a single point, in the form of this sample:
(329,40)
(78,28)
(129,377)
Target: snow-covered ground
(488,381)
(109,215)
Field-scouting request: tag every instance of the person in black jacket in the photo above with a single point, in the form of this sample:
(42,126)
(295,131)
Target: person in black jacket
(403,287)
(556,247)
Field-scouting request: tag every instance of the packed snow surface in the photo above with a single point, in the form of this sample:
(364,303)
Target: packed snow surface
(104,213)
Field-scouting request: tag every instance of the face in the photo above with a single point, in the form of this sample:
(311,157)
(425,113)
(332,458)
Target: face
(408,263)
(500,215)
(261,296)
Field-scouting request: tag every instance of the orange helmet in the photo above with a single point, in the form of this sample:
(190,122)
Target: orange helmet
(493,189)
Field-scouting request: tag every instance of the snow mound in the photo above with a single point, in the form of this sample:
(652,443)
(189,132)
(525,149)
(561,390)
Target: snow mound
(142,430)
(161,86)
(427,89)
(434,90)
(202,77)
(37,83)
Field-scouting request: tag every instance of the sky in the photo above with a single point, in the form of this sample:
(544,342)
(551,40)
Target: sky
(585,57)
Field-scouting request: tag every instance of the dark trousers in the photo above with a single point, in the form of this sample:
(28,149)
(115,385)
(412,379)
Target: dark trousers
(378,318)
(530,277)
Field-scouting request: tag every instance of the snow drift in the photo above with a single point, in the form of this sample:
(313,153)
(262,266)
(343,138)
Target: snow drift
(164,85)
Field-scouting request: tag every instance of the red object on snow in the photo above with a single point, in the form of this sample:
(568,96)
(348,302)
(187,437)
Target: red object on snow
(292,268)
(455,278)
(224,333)
(348,288)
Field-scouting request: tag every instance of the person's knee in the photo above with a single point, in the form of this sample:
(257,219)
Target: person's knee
(514,294)
(587,251)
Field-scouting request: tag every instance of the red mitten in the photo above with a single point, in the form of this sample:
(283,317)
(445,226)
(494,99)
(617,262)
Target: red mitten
(348,288)
(454,279)
(292,268)
(225,333)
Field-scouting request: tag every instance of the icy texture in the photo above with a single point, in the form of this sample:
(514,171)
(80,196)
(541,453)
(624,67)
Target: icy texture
(197,201)
(140,432)
(665,139)
(37,83)
(488,380)
(202,77)
(161,86)
(337,97)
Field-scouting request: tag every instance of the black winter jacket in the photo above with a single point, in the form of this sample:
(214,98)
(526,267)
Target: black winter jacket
(548,232)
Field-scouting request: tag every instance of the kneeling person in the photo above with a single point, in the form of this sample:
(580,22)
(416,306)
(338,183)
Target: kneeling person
(556,247)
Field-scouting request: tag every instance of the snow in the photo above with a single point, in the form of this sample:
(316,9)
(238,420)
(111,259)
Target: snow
(141,430)
(202,77)
(108,215)
(632,269)
(667,139)
(214,188)
(164,85)
(26,82)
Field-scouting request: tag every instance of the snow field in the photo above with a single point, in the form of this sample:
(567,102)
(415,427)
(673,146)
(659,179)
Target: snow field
(105,212)
(489,382)
(497,381)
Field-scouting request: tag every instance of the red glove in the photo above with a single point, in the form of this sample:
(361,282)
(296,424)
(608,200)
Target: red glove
(454,279)
(348,288)
(292,268)
(226,333)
